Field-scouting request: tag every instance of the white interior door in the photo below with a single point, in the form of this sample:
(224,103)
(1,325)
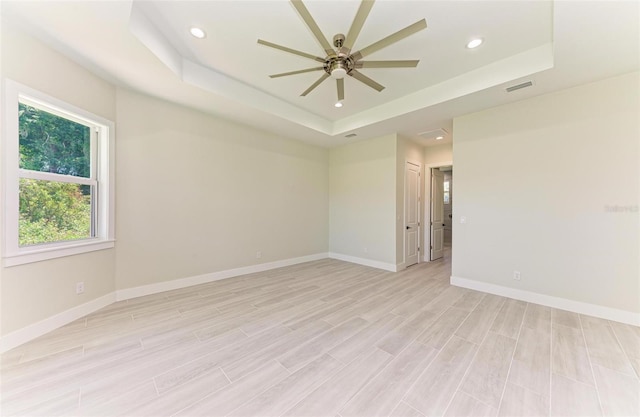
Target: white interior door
(412,214)
(437,214)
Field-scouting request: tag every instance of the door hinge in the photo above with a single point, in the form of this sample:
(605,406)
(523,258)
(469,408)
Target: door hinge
(431,246)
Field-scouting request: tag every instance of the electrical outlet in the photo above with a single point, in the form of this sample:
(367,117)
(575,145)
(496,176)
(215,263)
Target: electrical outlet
(79,287)
(516,275)
(258,255)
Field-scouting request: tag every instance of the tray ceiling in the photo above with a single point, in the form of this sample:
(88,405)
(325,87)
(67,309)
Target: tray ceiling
(147,46)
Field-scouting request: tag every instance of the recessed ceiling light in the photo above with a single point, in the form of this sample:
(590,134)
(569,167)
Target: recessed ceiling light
(439,137)
(338,104)
(474,43)
(197,32)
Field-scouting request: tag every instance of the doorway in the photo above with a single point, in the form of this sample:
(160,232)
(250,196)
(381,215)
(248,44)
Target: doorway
(440,212)
(448,207)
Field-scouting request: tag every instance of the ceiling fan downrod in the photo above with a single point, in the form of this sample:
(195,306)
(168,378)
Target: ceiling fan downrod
(340,65)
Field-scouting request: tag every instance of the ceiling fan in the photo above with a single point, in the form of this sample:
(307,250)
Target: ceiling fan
(341,61)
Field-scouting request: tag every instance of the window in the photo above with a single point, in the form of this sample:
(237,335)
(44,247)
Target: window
(446,192)
(58,178)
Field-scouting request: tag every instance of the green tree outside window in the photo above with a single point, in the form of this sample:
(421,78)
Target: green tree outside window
(52,211)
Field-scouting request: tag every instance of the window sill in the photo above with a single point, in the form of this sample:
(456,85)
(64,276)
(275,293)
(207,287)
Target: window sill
(31,255)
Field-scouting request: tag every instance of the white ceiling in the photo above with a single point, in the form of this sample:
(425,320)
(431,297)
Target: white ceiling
(146,46)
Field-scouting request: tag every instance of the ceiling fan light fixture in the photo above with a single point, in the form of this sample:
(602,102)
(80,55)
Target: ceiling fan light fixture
(338,73)
(474,43)
(196,32)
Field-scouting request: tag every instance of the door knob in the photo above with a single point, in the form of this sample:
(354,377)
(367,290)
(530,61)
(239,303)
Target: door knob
(443,224)
(408,227)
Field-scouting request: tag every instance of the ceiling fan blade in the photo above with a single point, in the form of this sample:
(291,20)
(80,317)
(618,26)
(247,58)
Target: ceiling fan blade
(356,26)
(291,51)
(391,39)
(313,26)
(314,85)
(366,80)
(284,74)
(340,84)
(387,64)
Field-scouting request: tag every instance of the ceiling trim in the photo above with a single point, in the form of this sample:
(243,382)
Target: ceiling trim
(215,82)
(499,72)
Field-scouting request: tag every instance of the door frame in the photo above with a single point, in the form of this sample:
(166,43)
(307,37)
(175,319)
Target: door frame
(427,206)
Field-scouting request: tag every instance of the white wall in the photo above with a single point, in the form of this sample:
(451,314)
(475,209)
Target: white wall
(30,293)
(198,194)
(362,195)
(407,151)
(535,180)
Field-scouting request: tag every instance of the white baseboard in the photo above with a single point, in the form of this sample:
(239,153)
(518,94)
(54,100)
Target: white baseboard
(363,261)
(595,310)
(42,327)
(175,284)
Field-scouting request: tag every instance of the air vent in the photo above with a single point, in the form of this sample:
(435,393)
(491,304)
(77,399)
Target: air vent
(519,86)
(433,134)
(351,135)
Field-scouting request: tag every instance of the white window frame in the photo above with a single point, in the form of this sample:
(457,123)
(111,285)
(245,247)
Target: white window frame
(102,178)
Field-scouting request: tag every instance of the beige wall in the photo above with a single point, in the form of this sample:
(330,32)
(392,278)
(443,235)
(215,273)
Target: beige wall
(362,195)
(33,292)
(438,154)
(407,151)
(535,180)
(366,198)
(197,194)
(194,194)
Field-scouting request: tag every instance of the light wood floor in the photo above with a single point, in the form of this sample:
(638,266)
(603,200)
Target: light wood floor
(327,338)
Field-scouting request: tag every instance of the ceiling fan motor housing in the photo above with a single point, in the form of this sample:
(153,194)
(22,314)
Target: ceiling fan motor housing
(338,67)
